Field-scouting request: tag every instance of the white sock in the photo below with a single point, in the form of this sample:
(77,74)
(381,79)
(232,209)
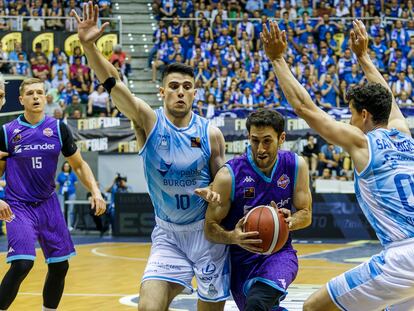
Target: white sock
(46,309)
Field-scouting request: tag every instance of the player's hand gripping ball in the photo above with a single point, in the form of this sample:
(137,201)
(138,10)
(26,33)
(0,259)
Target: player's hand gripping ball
(271,225)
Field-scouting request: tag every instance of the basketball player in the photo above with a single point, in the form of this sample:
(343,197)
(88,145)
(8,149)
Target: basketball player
(34,142)
(181,153)
(380,144)
(263,175)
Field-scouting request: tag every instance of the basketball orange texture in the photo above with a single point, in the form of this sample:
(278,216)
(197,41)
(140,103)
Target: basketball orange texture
(271,225)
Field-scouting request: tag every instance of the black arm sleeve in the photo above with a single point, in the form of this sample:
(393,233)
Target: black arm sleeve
(68,144)
(3,140)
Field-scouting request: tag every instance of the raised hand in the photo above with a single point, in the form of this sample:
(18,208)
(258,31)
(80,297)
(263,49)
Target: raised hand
(359,38)
(274,42)
(88,30)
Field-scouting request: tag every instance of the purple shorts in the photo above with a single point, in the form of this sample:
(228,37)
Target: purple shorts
(41,222)
(277,270)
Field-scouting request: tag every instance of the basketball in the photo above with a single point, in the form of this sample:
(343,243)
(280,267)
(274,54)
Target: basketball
(271,225)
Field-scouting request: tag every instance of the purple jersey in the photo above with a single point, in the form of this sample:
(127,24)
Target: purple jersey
(250,189)
(33,157)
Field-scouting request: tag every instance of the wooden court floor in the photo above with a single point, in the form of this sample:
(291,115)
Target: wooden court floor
(102,273)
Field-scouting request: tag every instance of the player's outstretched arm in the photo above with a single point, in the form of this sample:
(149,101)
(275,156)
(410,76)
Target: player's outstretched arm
(216,212)
(338,133)
(302,198)
(84,173)
(359,45)
(133,108)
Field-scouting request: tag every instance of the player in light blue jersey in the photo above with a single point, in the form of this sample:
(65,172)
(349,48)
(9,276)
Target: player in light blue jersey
(182,153)
(380,144)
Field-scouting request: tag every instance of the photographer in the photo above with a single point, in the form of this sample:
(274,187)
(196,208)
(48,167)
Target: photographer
(119,185)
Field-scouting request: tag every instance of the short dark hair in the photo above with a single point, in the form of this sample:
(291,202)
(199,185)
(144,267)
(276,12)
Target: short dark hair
(179,68)
(373,97)
(265,117)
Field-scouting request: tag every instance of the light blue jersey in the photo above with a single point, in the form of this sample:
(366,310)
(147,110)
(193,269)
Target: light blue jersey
(176,161)
(385,188)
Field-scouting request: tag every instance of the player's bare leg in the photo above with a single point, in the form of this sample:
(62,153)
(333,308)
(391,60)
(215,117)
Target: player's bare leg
(320,301)
(210,306)
(157,295)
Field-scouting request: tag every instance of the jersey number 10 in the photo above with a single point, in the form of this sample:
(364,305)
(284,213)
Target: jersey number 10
(183,201)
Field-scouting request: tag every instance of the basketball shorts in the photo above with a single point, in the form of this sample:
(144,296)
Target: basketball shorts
(43,222)
(386,281)
(180,252)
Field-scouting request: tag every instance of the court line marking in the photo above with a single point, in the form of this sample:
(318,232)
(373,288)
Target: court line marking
(327,251)
(78,294)
(96,251)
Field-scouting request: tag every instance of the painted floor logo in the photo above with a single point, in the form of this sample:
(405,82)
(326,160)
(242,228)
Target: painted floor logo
(293,302)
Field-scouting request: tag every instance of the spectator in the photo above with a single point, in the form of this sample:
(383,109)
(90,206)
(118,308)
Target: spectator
(41,69)
(66,181)
(98,103)
(81,85)
(53,56)
(311,153)
(58,114)
(35,23)
(329,92)
(119,185)
(36,53)
(70,23)
(67,93)
(245,26)
(60,65)
(401,85)
(51,105)
(21,67)
(254,5)
(329,157)
(59,79)
(77,53)
(175,29)
(75,106)
(73,69)
(123,58)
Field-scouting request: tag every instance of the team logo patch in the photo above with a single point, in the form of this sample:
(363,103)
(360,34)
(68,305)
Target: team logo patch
(164,142)
(195,142)
(283,181)
(48,132)
(17,138)
(249,192)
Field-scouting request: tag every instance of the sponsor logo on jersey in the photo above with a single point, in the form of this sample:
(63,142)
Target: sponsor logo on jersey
(283,181)
(209,269)
(17,138)
(48,132)
(164,168)
(212,291)
(11,250)
(16,131)
(164,141)
(195,142)
(45,146)
(249,192)
(282,203)
(248,179)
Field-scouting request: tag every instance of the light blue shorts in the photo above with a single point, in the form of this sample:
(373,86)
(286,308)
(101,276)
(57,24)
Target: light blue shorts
(386,281)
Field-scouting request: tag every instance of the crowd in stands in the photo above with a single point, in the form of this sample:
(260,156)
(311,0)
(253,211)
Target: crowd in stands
(221,40)
(35,14)
(72,89)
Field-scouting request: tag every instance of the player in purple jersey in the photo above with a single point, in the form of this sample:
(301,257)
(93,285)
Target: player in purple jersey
(386,281)
(264,175)
(34,142)
(5,212)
